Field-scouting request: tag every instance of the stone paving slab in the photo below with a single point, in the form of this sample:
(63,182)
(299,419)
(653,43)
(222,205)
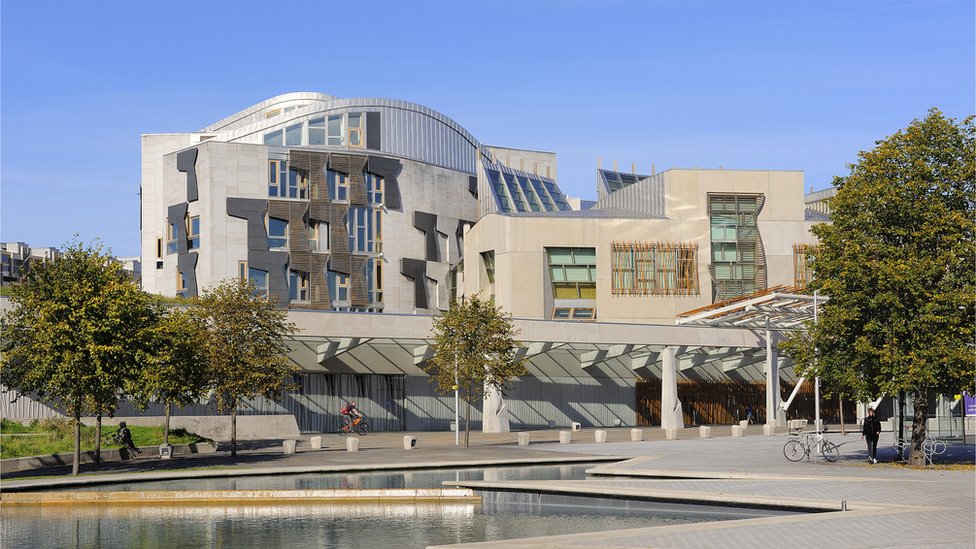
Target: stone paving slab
(889,505)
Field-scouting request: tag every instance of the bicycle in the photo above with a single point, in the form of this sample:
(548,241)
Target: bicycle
(358,426)
(802,444)
(931,447)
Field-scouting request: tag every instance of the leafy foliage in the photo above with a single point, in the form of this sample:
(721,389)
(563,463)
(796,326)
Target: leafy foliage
(76,331)
(53,436)
(898,264)
(474,350)
(242,342)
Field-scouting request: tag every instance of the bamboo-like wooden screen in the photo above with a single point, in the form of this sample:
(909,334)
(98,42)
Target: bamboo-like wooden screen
(802,264)
(654,268)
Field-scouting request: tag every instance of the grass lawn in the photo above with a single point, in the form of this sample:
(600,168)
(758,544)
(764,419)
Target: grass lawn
(56,436)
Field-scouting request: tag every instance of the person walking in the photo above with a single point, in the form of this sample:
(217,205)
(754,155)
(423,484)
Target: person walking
(870,431)
(749,413)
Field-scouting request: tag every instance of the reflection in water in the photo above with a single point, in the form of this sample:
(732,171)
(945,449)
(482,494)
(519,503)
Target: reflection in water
(503,515)
(420,478)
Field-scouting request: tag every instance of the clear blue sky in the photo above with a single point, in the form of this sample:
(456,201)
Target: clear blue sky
(766,85)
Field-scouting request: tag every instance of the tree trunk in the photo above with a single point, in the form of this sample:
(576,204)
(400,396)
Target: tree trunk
(98,438)
(233,431)
(840,403)
(166,424)
(467,422)
(76,462)
(917,456)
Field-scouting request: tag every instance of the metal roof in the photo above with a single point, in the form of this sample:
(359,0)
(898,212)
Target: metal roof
(776,308)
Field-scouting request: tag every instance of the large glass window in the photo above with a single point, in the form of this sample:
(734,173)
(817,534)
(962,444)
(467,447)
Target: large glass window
(277,233)
(335,129)
(298,286)
(338,186)
(374,189)
(318,236)
(494,178)
(364,226)
(737,265)
(316,131)
(573,275)
(338,288)
(514,192)
(274,138)
(172,234)
(529,195)
(654,268)
(193,232)
(374,280)
(293,135)
(285,181)
(355,123)
(260,280)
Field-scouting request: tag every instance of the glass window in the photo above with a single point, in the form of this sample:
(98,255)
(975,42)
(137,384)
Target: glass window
(193,233)
(363,224)
(278,178)
(494,178)
(338,288)
(316,131)
(274,138)
(293,135)
(277,233)
(737,265)
(583,313)
(297,183)
(180,283)
(573,275)
(338,186)
(242,270)
(560,313)
(355,129)
(374,189)
(172,233)
(529,195)
(514,192)
(543,196)
(335,129)
(260,280)
(298,286)
(654,268)
(318,236)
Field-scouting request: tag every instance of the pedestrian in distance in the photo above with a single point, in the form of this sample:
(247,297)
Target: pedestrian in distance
(870,431)
(749,413)
(124,437)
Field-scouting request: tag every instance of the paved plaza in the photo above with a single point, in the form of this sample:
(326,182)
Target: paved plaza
(887,505)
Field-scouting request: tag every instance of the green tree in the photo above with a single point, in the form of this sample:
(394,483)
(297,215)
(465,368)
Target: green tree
(75,333)
(243,345)
(176,371)
(898,264)
(473,351)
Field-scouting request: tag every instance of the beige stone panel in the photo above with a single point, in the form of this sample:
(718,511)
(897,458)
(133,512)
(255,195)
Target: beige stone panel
(682,196)
(784,202)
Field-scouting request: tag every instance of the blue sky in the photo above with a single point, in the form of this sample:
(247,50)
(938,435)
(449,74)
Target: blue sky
(796,85)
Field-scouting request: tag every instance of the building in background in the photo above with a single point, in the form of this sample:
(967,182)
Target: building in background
(365,217)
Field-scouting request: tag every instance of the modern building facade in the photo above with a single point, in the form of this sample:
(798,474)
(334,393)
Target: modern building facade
(365,217)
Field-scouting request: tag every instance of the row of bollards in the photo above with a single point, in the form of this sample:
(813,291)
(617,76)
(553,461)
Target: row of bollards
(565,437)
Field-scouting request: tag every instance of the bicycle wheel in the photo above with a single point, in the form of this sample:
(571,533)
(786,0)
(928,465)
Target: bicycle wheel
(794,450)
(830,451)
(362,429)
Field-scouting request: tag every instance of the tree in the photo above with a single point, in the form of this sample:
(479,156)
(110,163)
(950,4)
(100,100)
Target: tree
(176,371)
(473,352)
(898,264)
(243,345)
(75,333)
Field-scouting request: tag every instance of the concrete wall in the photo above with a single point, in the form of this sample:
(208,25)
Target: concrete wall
(519,243)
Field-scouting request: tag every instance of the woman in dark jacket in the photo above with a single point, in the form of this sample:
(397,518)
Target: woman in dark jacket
(870,431)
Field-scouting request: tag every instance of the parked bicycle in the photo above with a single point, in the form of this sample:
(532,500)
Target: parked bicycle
(357,425)
(801,445)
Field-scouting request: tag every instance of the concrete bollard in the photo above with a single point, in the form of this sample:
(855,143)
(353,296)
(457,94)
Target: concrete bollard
(523,439)
(565,437)
(769,430)
(316,443)
(600,435)
(744,423)
(352,444)
(636,435)
(737,431)
(670,434)
(577,426)
(289,446)
(409,442)
(704,432)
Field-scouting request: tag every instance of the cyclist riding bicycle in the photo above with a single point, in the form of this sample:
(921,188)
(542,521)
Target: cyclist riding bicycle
(352,414)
